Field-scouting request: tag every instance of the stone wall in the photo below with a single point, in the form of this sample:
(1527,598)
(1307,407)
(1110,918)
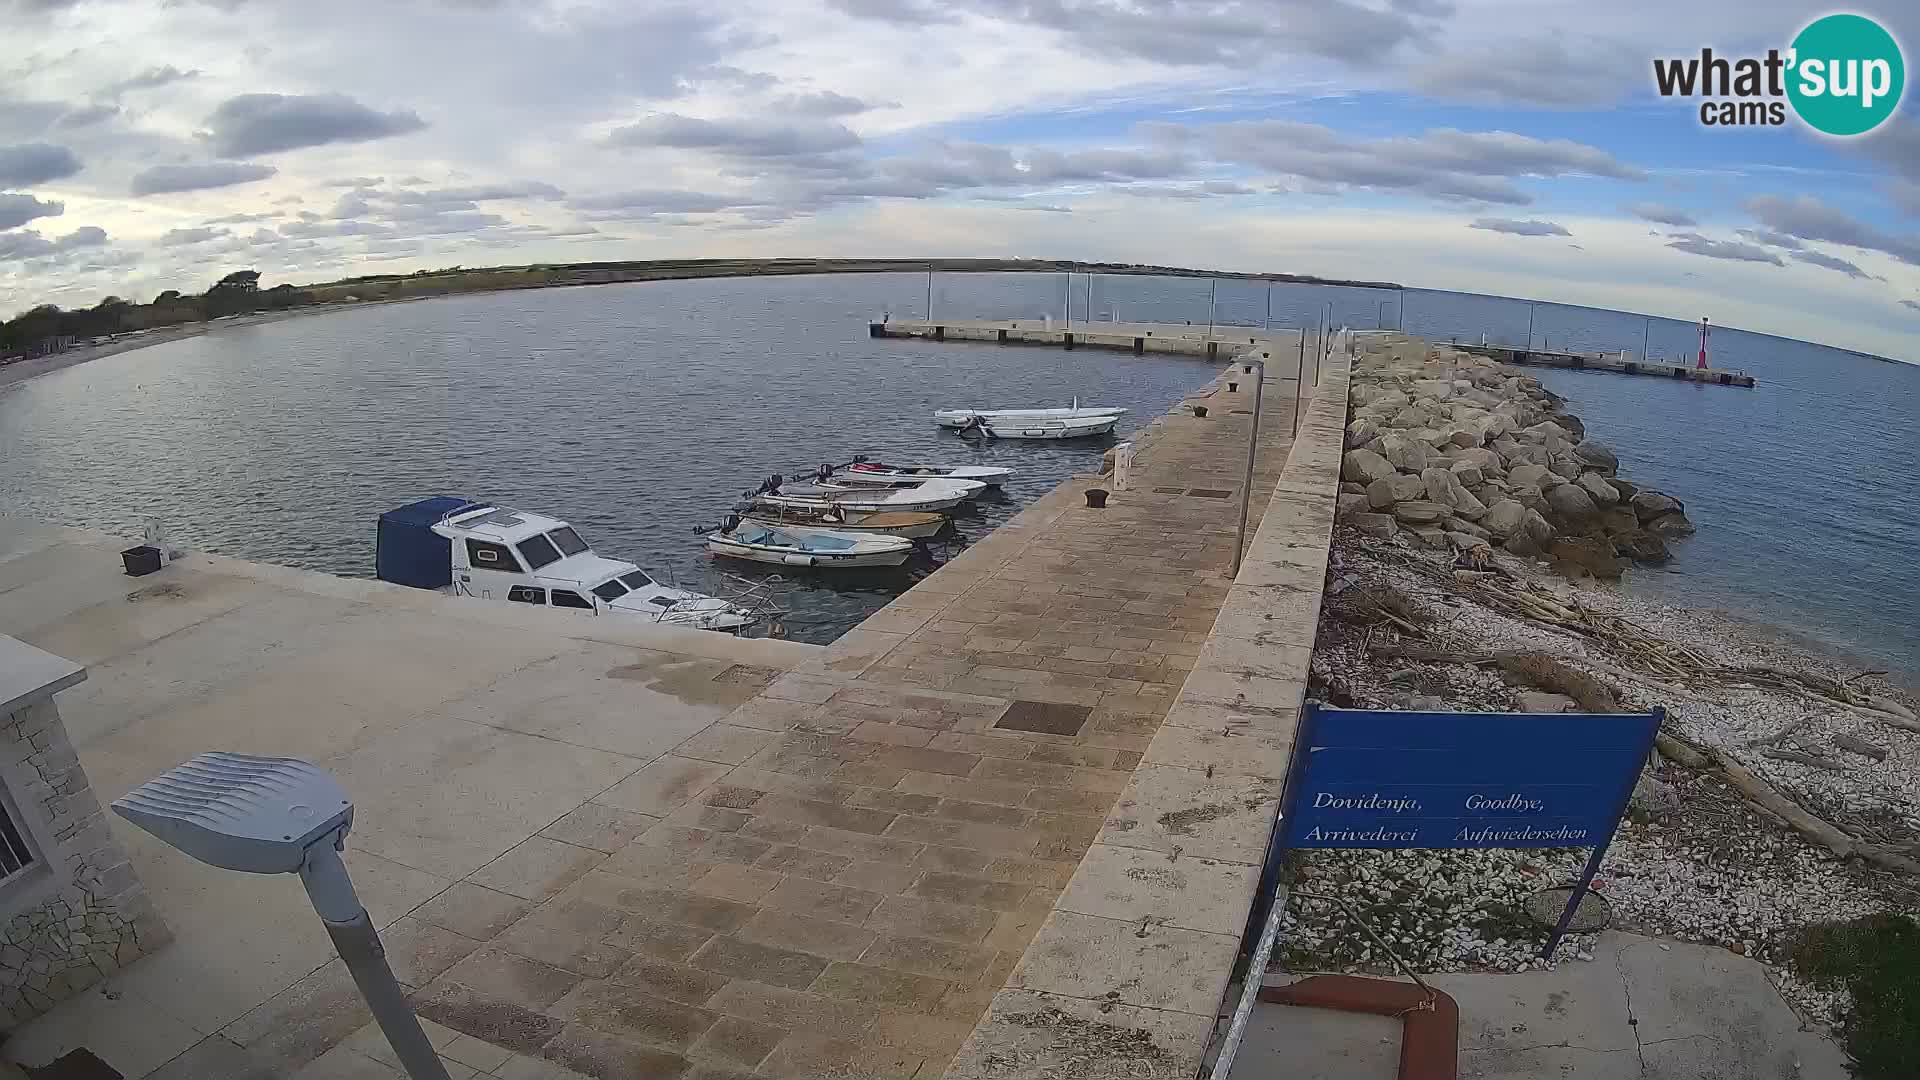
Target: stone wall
(79,914)
(1126,976)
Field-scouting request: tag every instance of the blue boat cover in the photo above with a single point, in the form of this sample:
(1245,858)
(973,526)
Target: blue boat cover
(406,549)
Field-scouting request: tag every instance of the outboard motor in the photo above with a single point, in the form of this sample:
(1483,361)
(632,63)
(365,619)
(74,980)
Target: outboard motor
(729,523)
(824,473)
(974,425)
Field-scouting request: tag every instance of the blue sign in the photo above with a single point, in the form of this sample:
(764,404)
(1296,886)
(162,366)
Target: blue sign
(1374,779)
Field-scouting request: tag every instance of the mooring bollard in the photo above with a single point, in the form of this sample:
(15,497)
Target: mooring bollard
(1096,498)
(1200,411)
(1233,388)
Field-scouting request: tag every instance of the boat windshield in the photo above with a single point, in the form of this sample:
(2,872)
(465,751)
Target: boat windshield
(538,551)
(567,540)
(610,590)
(636,580)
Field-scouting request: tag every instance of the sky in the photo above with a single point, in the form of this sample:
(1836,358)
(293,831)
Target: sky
(1514,147)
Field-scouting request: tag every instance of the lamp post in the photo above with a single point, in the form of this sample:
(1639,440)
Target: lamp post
(1253,445)
(268,815)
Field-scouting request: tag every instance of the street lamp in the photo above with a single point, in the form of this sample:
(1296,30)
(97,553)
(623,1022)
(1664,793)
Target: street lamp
(268,815)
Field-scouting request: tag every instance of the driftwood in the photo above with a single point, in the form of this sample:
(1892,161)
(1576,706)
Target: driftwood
(1774,739)
(1803,758)
(1855,745)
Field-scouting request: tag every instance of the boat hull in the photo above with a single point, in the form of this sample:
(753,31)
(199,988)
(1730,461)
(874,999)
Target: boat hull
(820,560)
(913,525)
(990,475)
(880,501)
(1050,429)
(962,417)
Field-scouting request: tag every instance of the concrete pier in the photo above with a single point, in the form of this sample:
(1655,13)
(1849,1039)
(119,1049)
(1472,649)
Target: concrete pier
(1038,784)
(1616,363)
(1216,342)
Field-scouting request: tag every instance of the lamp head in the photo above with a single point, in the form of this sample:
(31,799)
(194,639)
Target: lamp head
(257,815)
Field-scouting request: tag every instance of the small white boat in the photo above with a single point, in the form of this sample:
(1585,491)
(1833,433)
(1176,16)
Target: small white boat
(955,418)
(1039,427)
(990,475)
(822,548)
(912,524)
(934,495)
(862,482)
(477,549)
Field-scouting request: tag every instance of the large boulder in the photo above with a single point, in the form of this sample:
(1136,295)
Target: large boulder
(1489,461)
(1381,525)
(1444,488)
(1649,504)
(1604,494)
(1565,466)
(1571,502)
(1398,488)
(1364,467)
(1504,518)
(1467,473)
(1599,456)
(1533,476)
(1527,455)
(1462,525)
(1617,521)
(1576,428)
(1463,437)
(1626,488)
(1350,505)
(1420,513)
(1361,432)
(1407,453)
(1348,487)
(1531,497)
(1413,416)
(1671,525)
(1432,390)
(1546,431)
(1642,545)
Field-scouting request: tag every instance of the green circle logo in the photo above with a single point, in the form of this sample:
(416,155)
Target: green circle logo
(1846,76)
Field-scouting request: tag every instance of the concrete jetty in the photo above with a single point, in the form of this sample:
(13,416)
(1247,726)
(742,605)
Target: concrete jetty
(1038,784)
(1215,342)
(1617,363)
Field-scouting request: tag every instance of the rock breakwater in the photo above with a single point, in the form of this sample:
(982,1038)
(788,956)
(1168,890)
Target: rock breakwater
(1454,450)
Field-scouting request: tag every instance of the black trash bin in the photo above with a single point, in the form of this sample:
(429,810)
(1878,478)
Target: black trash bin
(141,561)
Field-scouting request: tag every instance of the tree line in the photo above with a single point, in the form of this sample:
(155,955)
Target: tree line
(49,327)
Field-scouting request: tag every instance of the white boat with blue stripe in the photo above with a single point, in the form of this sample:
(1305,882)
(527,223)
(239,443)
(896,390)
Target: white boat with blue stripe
(823,548)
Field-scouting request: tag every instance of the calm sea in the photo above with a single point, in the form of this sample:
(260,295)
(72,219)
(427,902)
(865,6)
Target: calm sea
(640,412)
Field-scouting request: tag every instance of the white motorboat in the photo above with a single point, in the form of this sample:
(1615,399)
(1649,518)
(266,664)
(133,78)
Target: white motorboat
(990,475)
(476,549)
(863,482)
(912,524)
(934,495)
(1077,427)
(822,548)
(956,418)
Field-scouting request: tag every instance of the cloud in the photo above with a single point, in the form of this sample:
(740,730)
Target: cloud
(1211,189)
(240,219)
(738,137)
(1539,71)
(820,103)
(81,116)
(1810,219)
(1771,238)
(647,203)
(1182,32)
(1831,263)
(523,189)
(164,179)
(354,181)
(1695,244)
(184,237)
(29,244)
(150,79)
(310,229)
(35,163)
(728,77)
(17,210)
(1914,304)
(269,123)
(1661,213)
(1530,227)
(1443,163)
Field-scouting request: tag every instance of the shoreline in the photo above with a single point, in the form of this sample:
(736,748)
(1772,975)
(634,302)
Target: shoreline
(1785,790)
